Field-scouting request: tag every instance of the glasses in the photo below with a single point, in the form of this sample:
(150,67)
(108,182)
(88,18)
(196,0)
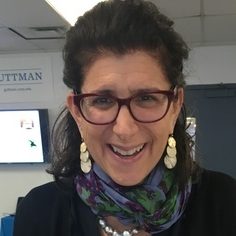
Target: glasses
(145,107)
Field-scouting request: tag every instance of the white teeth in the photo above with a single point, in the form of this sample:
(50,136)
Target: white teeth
(127,153)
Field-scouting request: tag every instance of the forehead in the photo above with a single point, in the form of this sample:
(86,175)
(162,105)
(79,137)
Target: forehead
(137,69)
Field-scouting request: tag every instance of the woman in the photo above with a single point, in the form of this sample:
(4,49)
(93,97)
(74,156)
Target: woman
(122,157)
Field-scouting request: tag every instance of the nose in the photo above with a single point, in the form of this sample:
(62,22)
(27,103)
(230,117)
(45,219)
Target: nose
(125,126)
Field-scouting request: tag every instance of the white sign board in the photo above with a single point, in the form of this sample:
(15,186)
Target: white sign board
(25,79)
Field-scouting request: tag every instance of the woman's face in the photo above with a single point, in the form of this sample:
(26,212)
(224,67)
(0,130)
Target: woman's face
(127,150)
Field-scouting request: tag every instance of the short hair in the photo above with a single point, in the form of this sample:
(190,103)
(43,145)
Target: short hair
(119,27)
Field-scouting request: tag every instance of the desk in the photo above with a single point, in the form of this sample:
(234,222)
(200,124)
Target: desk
(6,228)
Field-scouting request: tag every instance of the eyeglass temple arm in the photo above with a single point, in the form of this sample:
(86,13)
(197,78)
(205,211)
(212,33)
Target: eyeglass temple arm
(75,92)
(174,88)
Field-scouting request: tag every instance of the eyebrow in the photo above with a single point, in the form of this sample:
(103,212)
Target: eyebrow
(103,91)
(146,90)
(134,91)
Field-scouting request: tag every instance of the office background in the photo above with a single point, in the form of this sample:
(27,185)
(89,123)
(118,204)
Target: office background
(31,29)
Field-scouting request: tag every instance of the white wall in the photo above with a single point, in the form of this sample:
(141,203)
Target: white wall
(212,65)
(207,65)
(17,180)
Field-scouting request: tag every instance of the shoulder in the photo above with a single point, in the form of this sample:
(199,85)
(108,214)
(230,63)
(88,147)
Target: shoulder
(212,182)
(43,190)
(44,194)
(212,205)
(47,196)
(214,190)
(51,188)
(41,209)
(215,175)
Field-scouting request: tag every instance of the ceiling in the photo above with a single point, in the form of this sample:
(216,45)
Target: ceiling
(32,25)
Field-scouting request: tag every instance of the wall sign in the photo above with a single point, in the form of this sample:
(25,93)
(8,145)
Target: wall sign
(25,79)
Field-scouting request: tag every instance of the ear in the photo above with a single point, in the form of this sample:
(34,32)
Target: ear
(73,109)
(177,105)
(180,99)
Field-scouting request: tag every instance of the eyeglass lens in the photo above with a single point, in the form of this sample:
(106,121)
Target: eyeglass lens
(146,107)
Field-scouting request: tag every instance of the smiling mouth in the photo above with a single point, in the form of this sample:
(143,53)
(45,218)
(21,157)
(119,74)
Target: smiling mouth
(127,153)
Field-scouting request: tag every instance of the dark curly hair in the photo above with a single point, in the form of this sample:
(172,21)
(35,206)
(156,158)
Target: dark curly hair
(119,27)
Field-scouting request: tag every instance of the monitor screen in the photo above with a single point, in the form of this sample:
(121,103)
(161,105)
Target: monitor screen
(24,136)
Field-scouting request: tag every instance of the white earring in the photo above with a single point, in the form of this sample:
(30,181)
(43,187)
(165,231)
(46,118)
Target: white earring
(85,162)
(170,159)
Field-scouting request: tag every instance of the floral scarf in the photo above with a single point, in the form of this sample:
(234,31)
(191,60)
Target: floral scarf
(154,205)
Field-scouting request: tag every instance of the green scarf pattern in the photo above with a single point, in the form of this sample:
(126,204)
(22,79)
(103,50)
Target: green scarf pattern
(154,205)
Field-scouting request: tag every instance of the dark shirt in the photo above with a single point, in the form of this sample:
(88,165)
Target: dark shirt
(51,210)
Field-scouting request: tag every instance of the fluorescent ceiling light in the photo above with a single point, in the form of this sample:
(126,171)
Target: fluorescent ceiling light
(70,10)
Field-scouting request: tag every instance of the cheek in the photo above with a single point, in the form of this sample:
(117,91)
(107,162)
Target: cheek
(93,137)
(164,126)
(79,123)
(161,132)
(170,120)
(161,135)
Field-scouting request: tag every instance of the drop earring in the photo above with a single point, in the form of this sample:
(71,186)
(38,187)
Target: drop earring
(85,162)
(170,159)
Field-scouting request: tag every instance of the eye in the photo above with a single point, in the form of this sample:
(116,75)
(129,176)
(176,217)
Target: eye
(150,99)
(100,102)
(146,97)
